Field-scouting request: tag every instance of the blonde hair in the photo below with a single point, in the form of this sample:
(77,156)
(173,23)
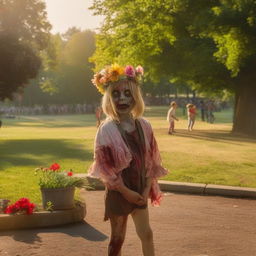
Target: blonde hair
(108,104)
(173,103)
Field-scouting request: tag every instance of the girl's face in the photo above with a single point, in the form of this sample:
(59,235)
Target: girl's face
(122,99)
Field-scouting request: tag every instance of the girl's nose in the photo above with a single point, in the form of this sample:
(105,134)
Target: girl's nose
(122,95)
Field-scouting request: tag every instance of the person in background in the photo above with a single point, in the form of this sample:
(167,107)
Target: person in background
(126,157)
(191,112)
(171,117)
(98,114)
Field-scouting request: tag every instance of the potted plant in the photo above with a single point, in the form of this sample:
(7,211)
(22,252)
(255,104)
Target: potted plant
(58,187)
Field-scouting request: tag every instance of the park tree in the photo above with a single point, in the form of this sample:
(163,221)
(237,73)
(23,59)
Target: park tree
(209,45)
(24,34)
(76,71)
(70,32)
(66,77)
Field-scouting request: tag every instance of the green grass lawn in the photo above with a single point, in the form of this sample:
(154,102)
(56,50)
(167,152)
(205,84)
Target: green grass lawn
(209,154)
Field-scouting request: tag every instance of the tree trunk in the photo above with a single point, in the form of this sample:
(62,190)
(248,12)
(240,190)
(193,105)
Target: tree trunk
(194,94)
(245,109)
(187,92)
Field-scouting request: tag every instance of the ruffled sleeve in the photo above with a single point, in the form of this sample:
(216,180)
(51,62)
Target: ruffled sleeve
(111,156)
(154,168)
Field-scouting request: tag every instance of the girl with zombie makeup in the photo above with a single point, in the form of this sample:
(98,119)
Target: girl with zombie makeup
(126,156)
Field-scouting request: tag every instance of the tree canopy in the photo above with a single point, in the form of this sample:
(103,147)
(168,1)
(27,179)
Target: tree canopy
(24,33)
(209,45)
(68,81)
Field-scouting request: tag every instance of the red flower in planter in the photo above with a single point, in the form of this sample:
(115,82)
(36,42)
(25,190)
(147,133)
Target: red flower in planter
(55,167)
(23,205)
(54,177)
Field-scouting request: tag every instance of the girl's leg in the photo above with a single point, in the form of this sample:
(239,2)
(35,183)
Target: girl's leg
(189,123)
(192,123)
(141,221)
(118,231)
(172,125)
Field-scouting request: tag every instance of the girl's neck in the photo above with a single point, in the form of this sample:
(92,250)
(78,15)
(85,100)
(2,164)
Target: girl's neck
(127,122)
(125,117)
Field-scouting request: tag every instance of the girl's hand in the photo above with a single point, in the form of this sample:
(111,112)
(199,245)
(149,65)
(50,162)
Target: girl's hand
(133,197)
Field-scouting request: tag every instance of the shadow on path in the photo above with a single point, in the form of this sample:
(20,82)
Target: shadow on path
(83,229)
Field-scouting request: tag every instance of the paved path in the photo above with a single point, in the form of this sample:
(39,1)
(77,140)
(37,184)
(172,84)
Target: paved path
(184,225)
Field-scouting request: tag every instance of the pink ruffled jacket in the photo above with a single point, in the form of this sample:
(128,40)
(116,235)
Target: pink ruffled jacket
(111,156)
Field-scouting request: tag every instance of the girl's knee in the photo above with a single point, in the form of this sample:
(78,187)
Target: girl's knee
(117,240)
(146,234)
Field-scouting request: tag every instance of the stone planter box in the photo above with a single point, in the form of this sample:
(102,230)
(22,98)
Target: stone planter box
(43,218)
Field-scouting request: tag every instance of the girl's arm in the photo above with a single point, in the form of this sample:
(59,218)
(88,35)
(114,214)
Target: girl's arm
(146,191)
(174,117)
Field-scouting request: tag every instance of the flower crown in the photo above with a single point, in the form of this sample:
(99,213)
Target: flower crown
(114,73)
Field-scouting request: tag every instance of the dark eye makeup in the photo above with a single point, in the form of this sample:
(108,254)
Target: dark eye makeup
(127,93)
(117,94)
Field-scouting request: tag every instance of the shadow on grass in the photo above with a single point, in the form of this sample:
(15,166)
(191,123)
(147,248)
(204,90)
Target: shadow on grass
(50,122)
(82,229)
(17,152)
(218,136)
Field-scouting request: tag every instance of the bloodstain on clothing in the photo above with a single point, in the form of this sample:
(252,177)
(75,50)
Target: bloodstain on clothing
(109,159)
(105,156)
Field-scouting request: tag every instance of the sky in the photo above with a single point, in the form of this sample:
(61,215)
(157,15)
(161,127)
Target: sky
(63,14)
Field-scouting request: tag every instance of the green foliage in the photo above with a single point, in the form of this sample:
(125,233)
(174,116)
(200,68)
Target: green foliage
(27,20)
(207,42)
(18,64)
(70,32)
(67,74)
(49,206)
(57,179)
(24,33)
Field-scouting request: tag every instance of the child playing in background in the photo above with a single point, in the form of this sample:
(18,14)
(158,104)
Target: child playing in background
(126,157)
(98,113)
(191,112)
(171,116)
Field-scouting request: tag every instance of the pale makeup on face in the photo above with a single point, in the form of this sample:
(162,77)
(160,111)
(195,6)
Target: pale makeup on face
(123,99)
(124,103)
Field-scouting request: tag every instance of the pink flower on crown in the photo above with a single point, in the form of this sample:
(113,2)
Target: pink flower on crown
(129,71)
(140,70)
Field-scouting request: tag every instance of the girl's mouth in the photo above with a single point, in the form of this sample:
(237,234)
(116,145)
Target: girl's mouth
(122,106)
